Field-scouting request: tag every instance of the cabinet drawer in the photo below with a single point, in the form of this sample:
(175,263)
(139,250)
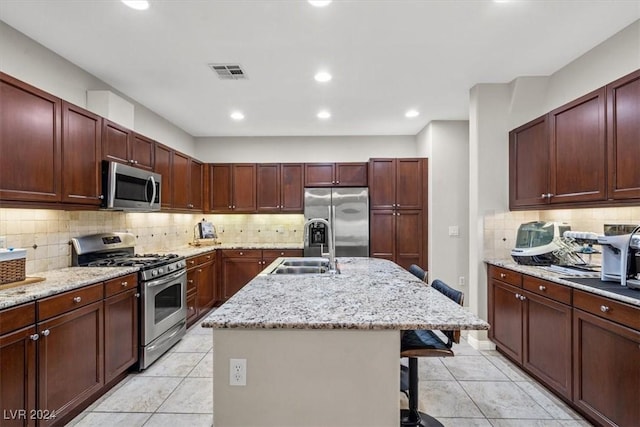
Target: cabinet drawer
(200,259)
(506,276)
(58,304)
(120,284)
(17,317)
(555,291)
(606,308)
(239,253)
(277,253)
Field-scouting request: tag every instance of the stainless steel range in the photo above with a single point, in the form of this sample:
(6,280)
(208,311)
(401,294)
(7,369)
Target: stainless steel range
(163,288)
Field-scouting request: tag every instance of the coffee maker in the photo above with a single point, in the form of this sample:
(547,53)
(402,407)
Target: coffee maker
(621,254)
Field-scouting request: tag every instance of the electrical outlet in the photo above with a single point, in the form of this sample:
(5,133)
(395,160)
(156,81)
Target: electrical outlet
(238,372)
(3,241)
(461,281)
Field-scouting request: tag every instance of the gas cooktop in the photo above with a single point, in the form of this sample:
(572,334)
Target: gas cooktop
(143,261)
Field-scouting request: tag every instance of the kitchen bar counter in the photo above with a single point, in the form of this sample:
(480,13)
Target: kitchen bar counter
(547,274)
(369,293)
(321,349)
(57,281)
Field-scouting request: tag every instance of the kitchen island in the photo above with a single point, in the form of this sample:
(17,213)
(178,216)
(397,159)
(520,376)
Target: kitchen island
(323,349)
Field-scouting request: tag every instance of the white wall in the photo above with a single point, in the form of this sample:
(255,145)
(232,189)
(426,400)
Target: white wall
(29,61)
(446,144)
(303,148)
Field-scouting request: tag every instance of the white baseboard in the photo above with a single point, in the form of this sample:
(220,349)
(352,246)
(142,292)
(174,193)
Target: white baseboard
(480,344)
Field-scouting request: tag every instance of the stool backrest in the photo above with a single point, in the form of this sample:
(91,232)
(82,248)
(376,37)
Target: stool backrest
(455,295)
(418,272)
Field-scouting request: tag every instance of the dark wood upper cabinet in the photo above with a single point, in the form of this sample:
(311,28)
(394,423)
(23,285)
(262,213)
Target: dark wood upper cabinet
(623,137)
(220,187)
(529,163)
(397,183)
(279,187)
(196,176)
(30,140)
(578,150)
(123,145)
(164,166)
(180,180)
(335,175)
(81,141)
(382,180)
(244,187)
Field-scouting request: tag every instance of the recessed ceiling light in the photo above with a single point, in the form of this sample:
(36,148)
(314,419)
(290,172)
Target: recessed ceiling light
(322,77)
(324,114)
(411,114)
(319,3)
(237,115)
(137,4)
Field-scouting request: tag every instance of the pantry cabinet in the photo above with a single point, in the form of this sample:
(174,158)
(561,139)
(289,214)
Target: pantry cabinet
(395,236)
(30,140)
(81,142)
(280,187)
(623,134)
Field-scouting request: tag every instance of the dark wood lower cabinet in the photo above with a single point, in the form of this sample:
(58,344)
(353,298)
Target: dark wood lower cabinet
(397,235)
(505,317)
(18,377)
(70,360)
(606,370)
(201,286)
(120,333)
(238,268)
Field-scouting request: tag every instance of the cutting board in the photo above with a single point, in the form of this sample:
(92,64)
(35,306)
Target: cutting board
(27,281)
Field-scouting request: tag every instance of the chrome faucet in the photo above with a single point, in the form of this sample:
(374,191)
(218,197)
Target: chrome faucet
(330,243)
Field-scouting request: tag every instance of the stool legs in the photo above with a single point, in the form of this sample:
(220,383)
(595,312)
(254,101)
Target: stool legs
(412,417)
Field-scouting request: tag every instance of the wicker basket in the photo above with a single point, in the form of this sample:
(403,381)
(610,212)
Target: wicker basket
(12,270)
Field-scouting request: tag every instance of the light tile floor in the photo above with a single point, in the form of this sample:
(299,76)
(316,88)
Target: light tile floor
(475,388)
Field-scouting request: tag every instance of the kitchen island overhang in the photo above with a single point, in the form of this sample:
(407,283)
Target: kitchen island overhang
(323,349)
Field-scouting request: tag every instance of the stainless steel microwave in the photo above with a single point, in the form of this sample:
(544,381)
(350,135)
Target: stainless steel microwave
(130,189)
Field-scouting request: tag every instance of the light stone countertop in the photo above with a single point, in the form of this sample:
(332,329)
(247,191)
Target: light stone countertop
(188,251)
(58,281)
(546,274)
(369,293)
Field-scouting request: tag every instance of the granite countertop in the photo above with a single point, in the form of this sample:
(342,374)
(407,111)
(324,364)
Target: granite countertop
(57,281)
(558,277)
(368,294)
(188,251)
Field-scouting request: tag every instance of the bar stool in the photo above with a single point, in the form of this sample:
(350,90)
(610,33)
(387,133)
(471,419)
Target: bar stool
(424,343)
(418,272)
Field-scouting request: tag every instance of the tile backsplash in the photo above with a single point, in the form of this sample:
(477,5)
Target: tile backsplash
(46,233)
(500,228)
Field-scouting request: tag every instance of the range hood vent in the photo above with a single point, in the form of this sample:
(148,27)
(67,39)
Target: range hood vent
(229,71)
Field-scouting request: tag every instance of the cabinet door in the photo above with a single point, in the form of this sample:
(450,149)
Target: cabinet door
(120,333)
(292,187)
(351,174)
(192,309)
(578,150)
(319,174)
(206,287)
(382,239)
(164,166)
(505,317)
(18,377)
(270,255)
(181,181)
(30,122)
(382,180)
(606,370)
(238,270)
(142,152)
(623,139)
(410,239)
(115,142)
(81,140)
(70,359)
(548,355)
(529,164)
(244,187)
(268,187)
(220,183)
(195,177)
(410,183)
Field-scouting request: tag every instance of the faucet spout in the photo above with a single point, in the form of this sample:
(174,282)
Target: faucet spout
(330,243)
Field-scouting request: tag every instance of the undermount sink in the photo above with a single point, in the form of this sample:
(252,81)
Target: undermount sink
(311,265)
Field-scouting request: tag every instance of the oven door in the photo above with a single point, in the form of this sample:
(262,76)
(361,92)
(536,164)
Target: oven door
(163,305)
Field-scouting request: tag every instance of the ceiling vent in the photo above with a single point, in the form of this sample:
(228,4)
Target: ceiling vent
(229,71)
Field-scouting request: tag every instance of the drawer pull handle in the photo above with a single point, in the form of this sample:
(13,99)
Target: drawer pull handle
(208,256)
(124,284)
(190,281)
(45,333)
(518,296)
(542,288)
(192,262)
(502,275)
(522,298)
(34,337)
(604,309)
(77,299)
(241,253)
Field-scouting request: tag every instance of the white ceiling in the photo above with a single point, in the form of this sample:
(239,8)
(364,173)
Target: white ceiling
(385,56)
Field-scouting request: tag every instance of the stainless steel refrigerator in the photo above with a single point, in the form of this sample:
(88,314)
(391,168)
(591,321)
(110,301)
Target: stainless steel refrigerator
(347,209)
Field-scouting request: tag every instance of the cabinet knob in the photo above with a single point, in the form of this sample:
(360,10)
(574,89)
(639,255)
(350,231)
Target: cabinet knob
(337,182)
(604,309)
(190,206)
(192,262)
(281,253)
(259,262)
(503,275)
(522,298)
(233,206)
(137,295)
(229,206)
(101,197)
(124,284)
(208,256)
(131,161)
(189,281)
(542,288)
(34,337)
(199,270)
(77,299)
(46,333)
(241,253)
